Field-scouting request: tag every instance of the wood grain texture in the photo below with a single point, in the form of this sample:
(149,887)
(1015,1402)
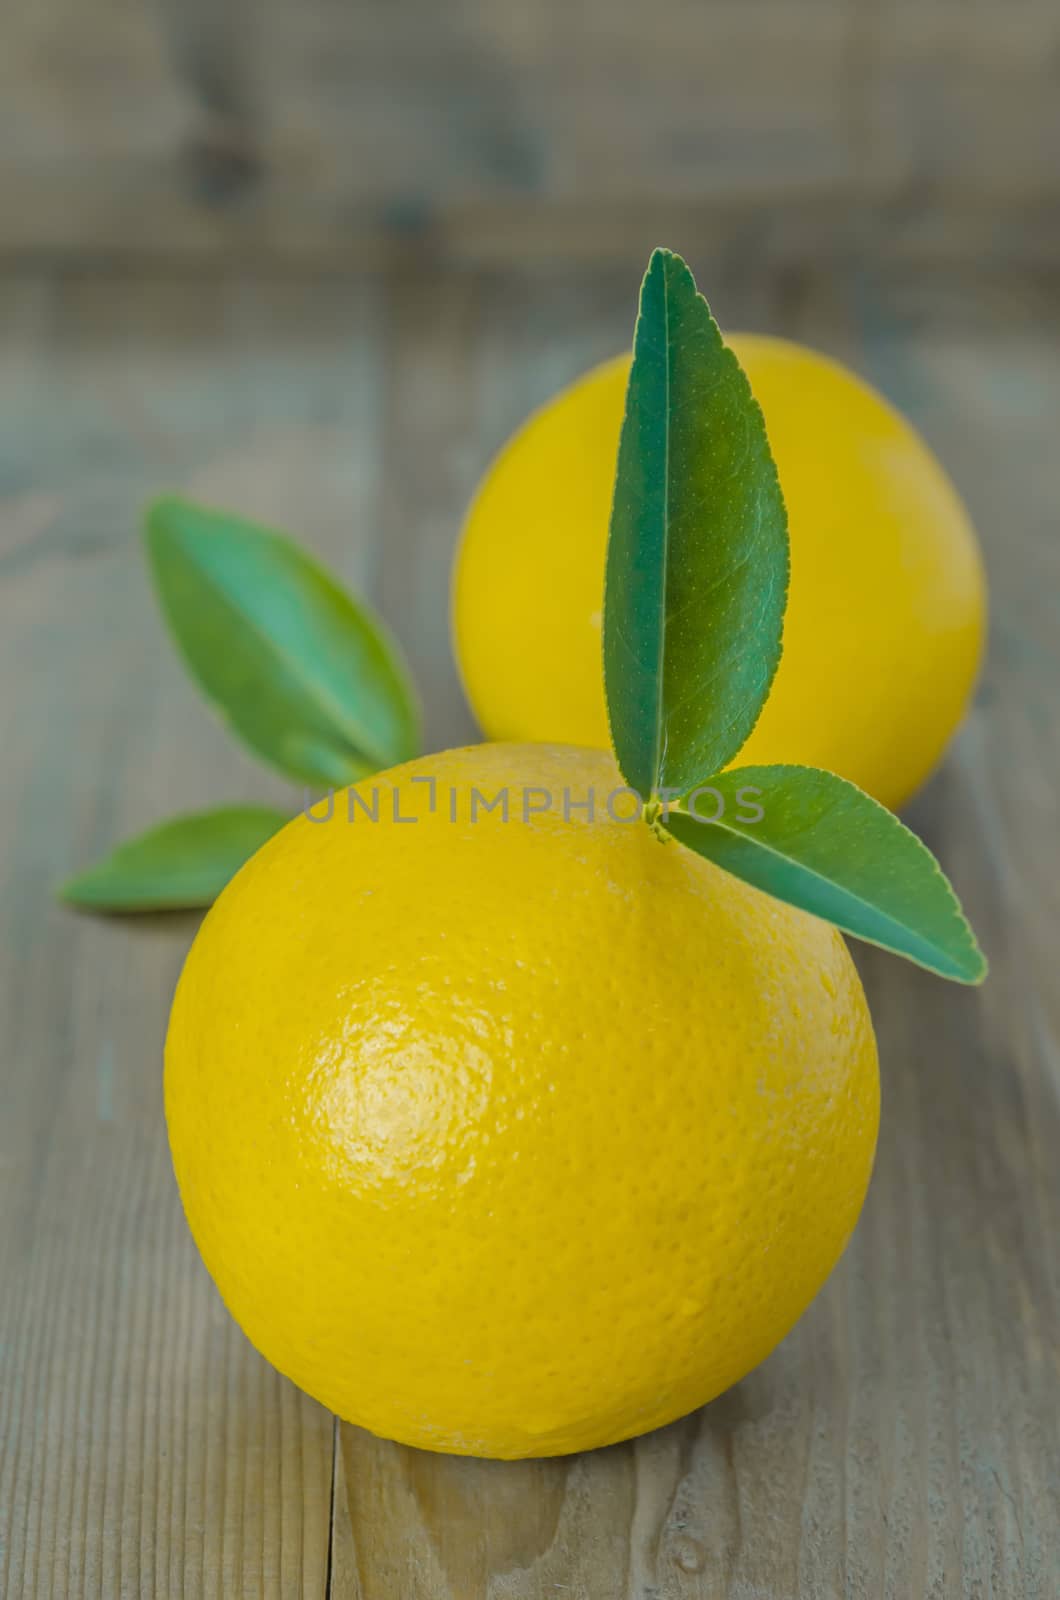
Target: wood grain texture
(144,1448)
(486,129)
(904,1439)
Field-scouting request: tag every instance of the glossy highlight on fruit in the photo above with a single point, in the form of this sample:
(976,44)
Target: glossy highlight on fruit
(885,621)
(514,1131)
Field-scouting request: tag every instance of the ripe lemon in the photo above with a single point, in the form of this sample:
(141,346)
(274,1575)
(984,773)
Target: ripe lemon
(514,1137)
(885,619)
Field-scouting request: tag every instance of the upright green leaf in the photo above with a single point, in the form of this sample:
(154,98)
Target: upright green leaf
(820,843)
(697,562)
(182,864)
(301,671)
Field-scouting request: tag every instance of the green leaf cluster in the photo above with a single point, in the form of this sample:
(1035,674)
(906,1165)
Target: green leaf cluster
(697,575)
(695,593)
(300,671)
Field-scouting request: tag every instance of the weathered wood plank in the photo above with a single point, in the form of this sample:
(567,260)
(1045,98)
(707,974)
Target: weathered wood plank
(207,129)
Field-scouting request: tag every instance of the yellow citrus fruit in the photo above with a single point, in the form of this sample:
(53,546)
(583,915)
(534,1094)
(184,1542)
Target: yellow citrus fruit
(514,1137)
(885,619)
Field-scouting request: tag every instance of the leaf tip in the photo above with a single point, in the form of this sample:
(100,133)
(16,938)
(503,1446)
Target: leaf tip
(662,257)
(78,892)
(158,508)
(976,968)
(156,521)
(67,892)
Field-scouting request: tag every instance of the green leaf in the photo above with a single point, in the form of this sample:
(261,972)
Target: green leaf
(302,673)
(822,844)
(182,864)
(697,562)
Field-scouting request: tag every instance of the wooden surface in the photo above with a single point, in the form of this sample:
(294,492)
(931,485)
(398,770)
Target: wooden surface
(303,132)
(904,1439)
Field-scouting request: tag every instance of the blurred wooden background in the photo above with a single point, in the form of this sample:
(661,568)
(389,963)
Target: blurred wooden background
(312,130)
(314,260)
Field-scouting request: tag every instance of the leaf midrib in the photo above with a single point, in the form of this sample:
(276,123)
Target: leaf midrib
(660,673)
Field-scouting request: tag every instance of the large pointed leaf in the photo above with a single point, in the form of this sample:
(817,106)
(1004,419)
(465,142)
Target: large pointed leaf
(301,672)
(183,863)
(697,562)
(820,843)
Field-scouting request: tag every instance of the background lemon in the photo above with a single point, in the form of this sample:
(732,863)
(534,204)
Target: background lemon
(885,620)
(514,1138)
